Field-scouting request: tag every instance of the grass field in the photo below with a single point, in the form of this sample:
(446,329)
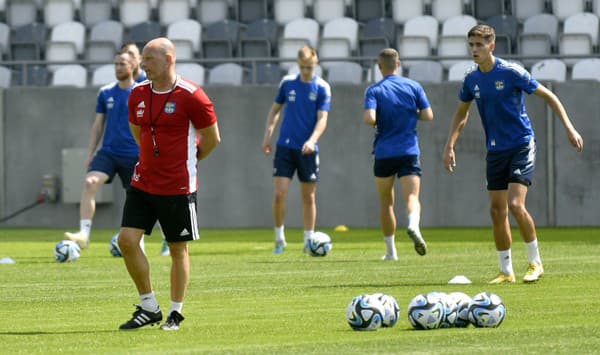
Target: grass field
(243,299)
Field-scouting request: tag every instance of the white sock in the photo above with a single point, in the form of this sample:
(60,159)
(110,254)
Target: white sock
(279,233)
(413,221)
(533,252)
(307,235)
(149,302)
(504,257)
(85,227)
(390,245)
(143,244)
(176,306)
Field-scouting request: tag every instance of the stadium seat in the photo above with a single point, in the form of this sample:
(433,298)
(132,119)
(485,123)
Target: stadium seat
(105,39)
(562,9)
(133,12)
(507,30)
(404,10)
(522,9)
(305,28)
(365,10)
(191,71)
(345,73)
(487,8)
(28,41)
(220,39)
(338,40)
(70,75)
(382,27)
(170,11)
(5,77)
(286,11)
(457,71)
(226,74)
(453,39)
(596,7)
(103,75)
(538,37)
(186,36)
(211,11)
(259,39)
(426,71)
(327,10)
(579,36)
(143,32)
(549,70)
(4,40)
(586,69)
(419,38)
(251,10)
(268,73)
(288,51)
(95,11)
(21,13)
(66,43)
(58,11)
(445,9)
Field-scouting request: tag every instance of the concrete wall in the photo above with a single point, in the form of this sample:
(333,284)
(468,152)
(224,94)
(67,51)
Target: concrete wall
(236,183)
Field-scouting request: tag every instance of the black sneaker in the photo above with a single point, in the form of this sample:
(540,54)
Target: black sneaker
(173,321)
(142,317)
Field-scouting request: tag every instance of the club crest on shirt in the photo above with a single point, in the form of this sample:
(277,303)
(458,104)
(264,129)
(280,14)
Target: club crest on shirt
(312,96)
(169,107)
(499,85)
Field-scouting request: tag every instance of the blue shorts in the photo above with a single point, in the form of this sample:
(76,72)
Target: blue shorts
(401,166)
(111,165)
(510,166)
(176,214)
(287,161)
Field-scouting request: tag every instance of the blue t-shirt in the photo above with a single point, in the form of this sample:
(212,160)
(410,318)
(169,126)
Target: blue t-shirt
(396,101)
(501,103)
(302,101)
(112,102)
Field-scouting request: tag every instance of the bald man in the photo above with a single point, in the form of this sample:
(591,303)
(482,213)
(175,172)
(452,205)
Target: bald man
(175,126)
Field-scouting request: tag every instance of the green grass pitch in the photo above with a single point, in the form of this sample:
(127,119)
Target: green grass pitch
(243,299)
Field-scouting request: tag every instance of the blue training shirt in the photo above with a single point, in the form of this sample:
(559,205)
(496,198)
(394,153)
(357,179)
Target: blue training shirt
(302,101)
(501,103)
(396,101)
(112,102)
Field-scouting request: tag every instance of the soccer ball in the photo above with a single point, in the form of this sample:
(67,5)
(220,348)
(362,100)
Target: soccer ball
(426,311)
(66,251)
(390,306)
(486,310)
(450,311)
(365,312)
(319,244)
(462,308)
(113,246)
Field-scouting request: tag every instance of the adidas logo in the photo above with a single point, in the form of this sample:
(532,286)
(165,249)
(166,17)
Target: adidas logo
(184,232)
(141,105)
(517,172)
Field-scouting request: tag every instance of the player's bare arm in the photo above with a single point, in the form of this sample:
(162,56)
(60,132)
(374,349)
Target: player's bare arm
(552,100)
(458,123)
(426,114)
(96,133)
(320,126)
(272,119)
(209,139)
(369,117)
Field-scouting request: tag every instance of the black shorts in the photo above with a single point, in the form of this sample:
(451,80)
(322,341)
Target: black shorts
(510,166)
(401,166)
(287,161)
(112,164)
(176,214)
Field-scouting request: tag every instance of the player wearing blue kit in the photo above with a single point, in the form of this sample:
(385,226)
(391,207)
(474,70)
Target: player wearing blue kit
(497,87)
(138,73)
(393,106)
(306,98)
(118,153)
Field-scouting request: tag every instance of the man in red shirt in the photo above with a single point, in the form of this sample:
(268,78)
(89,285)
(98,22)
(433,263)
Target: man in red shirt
(174,123)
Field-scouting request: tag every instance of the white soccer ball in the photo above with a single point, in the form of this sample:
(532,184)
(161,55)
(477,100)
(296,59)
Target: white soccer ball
(486,310)
(390,306)
(450,311)
(319,244)
(66,251)
(113,246)
(365,312)
(462,301)
(426,311)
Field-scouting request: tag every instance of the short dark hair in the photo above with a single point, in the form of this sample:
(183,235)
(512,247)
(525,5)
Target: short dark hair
(484,31)
(388,59)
